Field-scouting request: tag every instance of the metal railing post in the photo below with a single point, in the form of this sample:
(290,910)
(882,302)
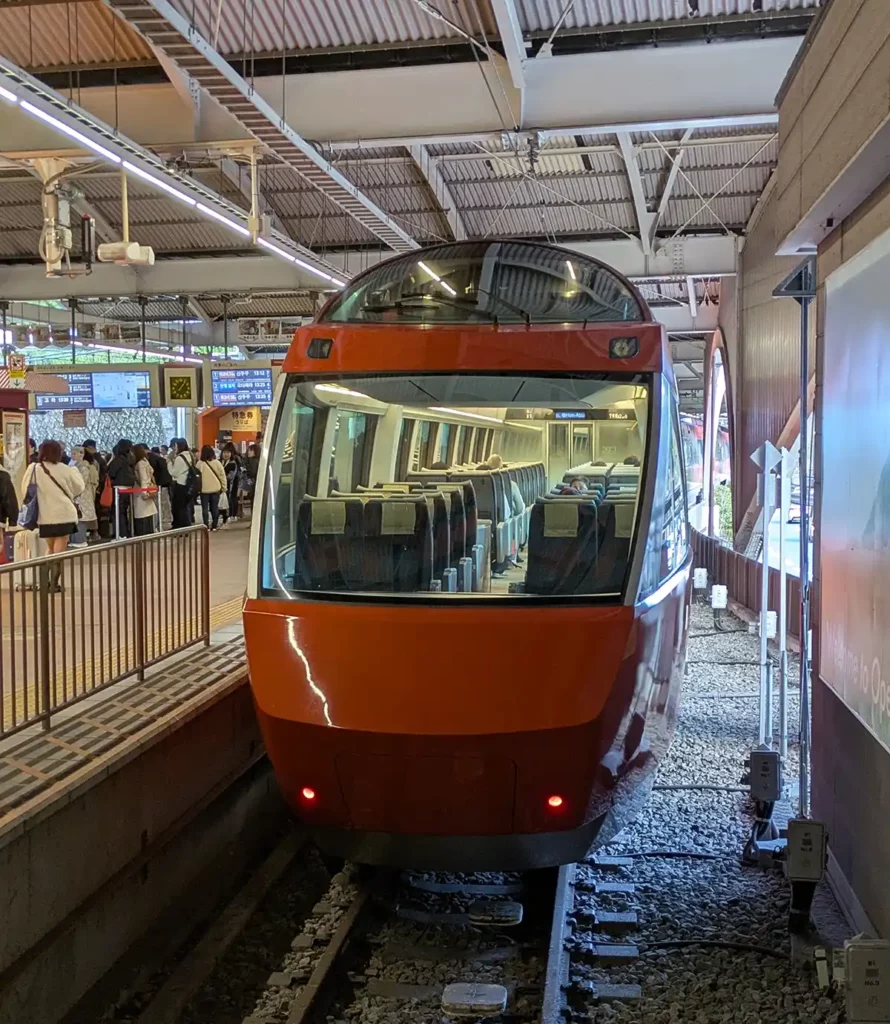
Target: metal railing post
(44,575)
(205,585)
(139,570)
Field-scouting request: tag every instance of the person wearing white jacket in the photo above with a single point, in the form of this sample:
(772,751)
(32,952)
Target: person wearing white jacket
(213,483)
(57,487)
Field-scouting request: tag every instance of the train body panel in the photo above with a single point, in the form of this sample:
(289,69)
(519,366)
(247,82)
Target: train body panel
(461,660)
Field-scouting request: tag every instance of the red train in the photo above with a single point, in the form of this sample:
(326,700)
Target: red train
(468,594)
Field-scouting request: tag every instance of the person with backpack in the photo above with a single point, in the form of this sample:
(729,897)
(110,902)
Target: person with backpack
(186,485)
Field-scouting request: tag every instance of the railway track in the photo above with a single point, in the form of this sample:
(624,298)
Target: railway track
(382,944)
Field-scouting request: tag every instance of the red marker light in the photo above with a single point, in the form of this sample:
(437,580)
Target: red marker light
(309,794)
(554,801)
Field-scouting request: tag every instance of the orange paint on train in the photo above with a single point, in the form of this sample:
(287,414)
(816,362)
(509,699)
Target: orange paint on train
(539,347)
(518,666)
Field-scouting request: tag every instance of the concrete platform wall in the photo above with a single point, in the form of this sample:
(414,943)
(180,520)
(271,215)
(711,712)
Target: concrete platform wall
(85,876)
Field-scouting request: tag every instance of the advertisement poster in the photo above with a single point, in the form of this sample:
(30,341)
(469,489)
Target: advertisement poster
(15,442)
(855,533)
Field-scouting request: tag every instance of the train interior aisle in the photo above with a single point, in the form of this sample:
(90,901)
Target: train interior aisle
(460,484)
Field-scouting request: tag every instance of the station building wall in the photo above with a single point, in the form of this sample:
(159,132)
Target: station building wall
(836,97)
(768,356)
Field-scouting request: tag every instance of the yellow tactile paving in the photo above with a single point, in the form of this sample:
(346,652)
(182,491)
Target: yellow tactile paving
(79,678)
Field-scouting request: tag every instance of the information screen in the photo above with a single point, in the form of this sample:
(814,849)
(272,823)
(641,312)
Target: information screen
(241,387)
(116,390)
(121,390)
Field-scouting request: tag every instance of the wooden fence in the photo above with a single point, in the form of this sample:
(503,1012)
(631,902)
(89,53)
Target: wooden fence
(742,576)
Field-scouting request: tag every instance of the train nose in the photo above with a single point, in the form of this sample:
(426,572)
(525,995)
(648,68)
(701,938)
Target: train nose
(431,795)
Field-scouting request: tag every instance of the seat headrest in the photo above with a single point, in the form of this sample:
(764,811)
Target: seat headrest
(561,519)
(398,518)
(327,517)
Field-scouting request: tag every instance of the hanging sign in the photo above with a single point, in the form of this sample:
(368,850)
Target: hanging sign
(247,420)
(76,418)
(16,366)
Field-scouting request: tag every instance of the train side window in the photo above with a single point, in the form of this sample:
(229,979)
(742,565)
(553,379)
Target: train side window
(403,455)
(674,531)
(351,450)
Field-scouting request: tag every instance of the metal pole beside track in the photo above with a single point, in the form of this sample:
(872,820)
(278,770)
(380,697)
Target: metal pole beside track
(800,284)
(805,552)
(784,507)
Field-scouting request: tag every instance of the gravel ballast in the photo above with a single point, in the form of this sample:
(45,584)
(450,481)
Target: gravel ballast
(713,899)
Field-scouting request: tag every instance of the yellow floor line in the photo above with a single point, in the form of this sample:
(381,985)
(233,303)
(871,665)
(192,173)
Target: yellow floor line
(109,661)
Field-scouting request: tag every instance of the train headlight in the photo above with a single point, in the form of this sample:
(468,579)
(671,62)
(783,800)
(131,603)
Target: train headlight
(623,348)
(308,794)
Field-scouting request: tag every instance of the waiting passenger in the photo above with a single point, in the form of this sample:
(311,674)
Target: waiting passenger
(186,485)
(122,474)
(9,502)
(231,463)
(57,487)
(251,473)
(213,484)
(144,507)
(85,464)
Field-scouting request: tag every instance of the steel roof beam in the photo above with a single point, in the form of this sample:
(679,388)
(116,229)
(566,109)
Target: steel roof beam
(167,30)
(671,181)
(431,170)
(510,31)
(645,219)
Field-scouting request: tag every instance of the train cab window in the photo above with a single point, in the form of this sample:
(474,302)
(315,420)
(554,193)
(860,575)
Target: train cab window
(347,511)
(487,282)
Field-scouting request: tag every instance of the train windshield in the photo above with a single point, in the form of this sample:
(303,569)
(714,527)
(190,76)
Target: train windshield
(455,484)
(488,282)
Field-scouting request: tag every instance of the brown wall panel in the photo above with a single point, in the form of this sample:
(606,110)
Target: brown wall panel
(768,379)
(837,95)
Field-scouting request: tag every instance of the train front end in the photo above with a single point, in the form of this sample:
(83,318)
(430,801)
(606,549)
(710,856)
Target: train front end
(468,595)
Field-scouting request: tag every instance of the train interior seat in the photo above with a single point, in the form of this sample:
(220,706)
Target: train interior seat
(431,532)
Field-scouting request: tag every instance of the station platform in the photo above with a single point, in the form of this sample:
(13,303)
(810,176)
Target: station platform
(158,771)
(31,763)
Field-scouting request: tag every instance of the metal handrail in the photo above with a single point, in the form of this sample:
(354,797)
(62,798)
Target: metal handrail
(76,623)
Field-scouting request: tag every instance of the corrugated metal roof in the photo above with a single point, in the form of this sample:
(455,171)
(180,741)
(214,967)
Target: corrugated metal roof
(62,34)
(542,15)
(268,26)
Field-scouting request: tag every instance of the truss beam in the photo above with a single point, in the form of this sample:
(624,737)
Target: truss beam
(431,169)
(645,219)
(167,30)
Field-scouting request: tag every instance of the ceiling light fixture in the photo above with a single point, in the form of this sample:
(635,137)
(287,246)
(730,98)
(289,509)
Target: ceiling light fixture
(571,270)
(228,222)
(461,412)
(70,132)
(158,183)
(436,277)
(10,97)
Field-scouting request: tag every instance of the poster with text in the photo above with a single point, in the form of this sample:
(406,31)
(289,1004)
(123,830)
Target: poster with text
(855,525)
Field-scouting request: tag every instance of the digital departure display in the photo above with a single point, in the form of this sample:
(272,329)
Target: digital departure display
(241,387)
(622,415)
(113,390)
